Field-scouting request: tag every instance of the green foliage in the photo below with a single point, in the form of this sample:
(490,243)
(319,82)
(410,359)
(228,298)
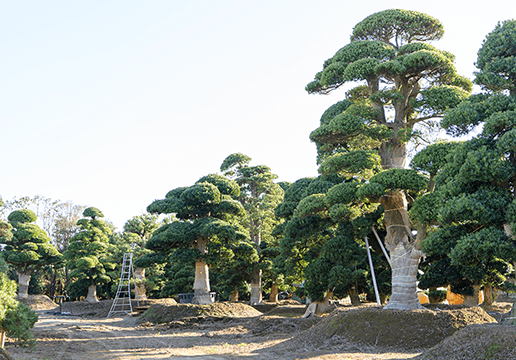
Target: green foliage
(433,157)
(88,253)
(92,213)
(17,324)
(207,226)
(28,247)
(16,319)
(425,209)
(402,25)
(497,59)
(361,163)
(400,179)
(22,216)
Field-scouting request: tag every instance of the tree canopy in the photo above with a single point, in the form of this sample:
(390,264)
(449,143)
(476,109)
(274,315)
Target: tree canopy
(87,255)
(403,83)
(207,215)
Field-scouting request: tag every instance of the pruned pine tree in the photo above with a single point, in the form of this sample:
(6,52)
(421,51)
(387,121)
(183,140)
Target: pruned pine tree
(323,240)
(29,249)
(87,255)
(478,206)
(404,83)
(137,231)
(259,196)
(207,214)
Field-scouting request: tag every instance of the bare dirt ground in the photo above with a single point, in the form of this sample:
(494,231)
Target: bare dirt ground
(237,331)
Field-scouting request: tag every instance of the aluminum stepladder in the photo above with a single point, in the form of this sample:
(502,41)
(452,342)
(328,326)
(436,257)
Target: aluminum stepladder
(122,302)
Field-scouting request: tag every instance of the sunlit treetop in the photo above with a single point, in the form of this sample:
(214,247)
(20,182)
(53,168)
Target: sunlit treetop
(398,27)
(497,59)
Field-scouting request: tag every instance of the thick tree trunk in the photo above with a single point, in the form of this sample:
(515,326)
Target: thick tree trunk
(139,277)
(274,292)
(353,296)
(472,300)
(92,294)
(403,252)
(256,274)
(201,286)
(256,287)
(488,295)
(23,285)
(234,295)
(405,261)
(318,308)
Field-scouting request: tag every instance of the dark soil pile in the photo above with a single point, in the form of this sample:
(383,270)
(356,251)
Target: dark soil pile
(161,313)
(486,341)
(39,302)
(372,326)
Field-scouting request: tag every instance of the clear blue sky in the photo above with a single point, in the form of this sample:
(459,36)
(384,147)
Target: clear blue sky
(114,103)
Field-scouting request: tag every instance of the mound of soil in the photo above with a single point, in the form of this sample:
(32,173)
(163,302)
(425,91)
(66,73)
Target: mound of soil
(104,311)
(374,326)
(486,341)
(287,311)
(39,302)
(162,313)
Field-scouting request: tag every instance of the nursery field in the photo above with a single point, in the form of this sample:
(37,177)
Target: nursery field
(238,331)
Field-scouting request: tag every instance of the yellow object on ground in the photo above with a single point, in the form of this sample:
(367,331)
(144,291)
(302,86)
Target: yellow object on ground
(423,299)
(456,299)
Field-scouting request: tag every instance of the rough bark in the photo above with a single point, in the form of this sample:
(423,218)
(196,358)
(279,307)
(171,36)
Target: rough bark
(234,295)
(92,294)
(23,285)
(405,256)
(353,296)
(488,295)
(274,293)
(139,276)
(318,308)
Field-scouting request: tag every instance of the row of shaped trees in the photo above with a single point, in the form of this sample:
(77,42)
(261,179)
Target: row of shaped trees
(449,213)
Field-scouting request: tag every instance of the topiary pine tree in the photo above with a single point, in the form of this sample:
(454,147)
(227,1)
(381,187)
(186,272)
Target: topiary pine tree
(323,238)
(87,255)
(137,231)
(259,196)
(29,248)
(477,185)
(405,82)
(16,319)
(207,216)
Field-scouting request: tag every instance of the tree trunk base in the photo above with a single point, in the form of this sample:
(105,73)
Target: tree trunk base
(202,298)
(405,262)
(141,291)
(472,300)
(256,295)
(318,308)
(92,294)
(274,293)
(23,285)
